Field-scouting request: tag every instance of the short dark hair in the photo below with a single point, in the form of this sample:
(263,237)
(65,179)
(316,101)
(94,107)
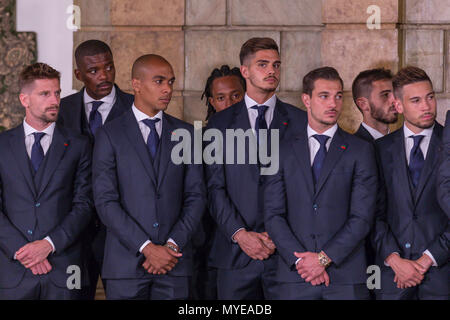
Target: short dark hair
(219,73)
(37,71)
(362,85)
(90,48)
(326,73)
(253,45)
(408,75)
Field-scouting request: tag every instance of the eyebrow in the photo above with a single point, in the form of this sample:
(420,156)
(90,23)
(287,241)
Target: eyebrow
(385,91)
(267,61)
(158,77)
(418,97)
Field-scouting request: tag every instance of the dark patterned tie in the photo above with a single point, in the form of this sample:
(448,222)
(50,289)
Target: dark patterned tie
(153,137)
(37,153)
(319,159)
(95,118)
(416,160)
(260,122)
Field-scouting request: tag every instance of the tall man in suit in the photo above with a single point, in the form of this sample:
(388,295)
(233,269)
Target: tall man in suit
(97,103)
(411,230)
(444,170)
(374,97)
(150,205)
(45,203)
(320,205)
(242,251)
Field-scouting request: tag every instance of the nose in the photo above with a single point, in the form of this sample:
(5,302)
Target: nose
(228,102)
(55,99)
(102,74)
(167,88)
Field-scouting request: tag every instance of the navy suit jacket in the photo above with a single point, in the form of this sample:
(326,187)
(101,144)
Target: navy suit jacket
(72,113)
(56,202)
(335,216)
(364,134)
(137,202)
(411,222)
(235,190)
(444,170)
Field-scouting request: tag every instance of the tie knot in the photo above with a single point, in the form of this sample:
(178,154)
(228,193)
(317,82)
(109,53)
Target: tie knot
(322,139)
(417,139)
(261,109)
(96,105)
(38,136)
(151,123)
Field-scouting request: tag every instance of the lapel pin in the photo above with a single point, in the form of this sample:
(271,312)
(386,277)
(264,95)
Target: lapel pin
(343,147)
(66,144)
(285,123)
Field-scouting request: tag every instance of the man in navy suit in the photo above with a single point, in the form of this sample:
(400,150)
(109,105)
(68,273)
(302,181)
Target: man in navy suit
(411,230)
(319,207)
(444,170)
(45,187)
(150,205)
(242,251)
(99,102)
(374,97)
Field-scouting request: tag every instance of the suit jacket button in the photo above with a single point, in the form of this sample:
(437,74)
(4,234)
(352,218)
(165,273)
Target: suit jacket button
(407,245)
(38,205)
(30,231)
(315,206)
(155,225)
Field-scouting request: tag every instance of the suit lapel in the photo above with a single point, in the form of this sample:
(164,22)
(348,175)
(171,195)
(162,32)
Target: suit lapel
(54,155)
(165,147)
(280,119)
(337,148)
(19,151)
(119,106)
(430,161)
(134,135)
(301,151)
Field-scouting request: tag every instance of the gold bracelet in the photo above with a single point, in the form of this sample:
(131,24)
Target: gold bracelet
(324,261)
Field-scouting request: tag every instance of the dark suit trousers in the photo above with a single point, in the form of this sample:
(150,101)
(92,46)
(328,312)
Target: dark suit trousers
(38,287)
(253,282)
(421,292)
(306,291)
(152,287)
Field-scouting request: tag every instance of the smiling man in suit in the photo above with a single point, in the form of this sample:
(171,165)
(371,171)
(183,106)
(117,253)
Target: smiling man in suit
(242,251)
(374,97)
(411,230)
(45,187)
(97,103)
(320,205)
(444,170)
(150,205)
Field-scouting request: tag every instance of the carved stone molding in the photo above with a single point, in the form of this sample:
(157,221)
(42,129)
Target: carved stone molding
(17,49)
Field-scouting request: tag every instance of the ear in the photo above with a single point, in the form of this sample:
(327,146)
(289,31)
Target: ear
(211,100)
(136,84)
(398,105)
(306,100)
(77,74)
(24,99)
(363,104)
(244,71)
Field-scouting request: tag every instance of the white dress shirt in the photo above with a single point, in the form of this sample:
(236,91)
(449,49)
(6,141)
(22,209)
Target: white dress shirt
(46,141)
(314,145)
(105,107)
(373,132)
(145,130)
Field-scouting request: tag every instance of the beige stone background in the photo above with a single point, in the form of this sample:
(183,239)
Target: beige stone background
(199,35)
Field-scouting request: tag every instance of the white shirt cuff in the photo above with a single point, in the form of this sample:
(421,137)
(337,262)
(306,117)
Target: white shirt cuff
(143,246)
(428,253)
(51,243)
(232,237)
(386,264)
(173,241)
(296,261)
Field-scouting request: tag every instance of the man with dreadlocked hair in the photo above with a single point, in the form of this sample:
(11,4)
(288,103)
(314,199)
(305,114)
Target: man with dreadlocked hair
(223,88)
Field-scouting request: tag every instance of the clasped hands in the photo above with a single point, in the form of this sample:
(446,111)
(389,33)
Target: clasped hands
(160,259)
(34,255)
(309,268)
(408,273)
(257,246)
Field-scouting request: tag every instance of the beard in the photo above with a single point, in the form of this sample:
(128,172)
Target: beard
(386,117)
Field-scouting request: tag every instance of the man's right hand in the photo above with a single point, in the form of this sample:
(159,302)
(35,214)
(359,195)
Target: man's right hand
(252,243)
(159,259)
(408,273)
(43,267)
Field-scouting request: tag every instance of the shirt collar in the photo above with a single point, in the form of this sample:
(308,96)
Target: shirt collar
(330,132)
(30,130)
(425,132)
(271,102)
(373,132)
(142,116)
(106,99)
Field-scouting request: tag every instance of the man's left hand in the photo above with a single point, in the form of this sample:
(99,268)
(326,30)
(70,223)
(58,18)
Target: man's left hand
(308,267)
(33,253)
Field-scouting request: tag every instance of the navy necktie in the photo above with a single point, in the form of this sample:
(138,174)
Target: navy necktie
(95,118)
(319,159)
(260,122)
(153,137)
(37,153)
(416,160)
